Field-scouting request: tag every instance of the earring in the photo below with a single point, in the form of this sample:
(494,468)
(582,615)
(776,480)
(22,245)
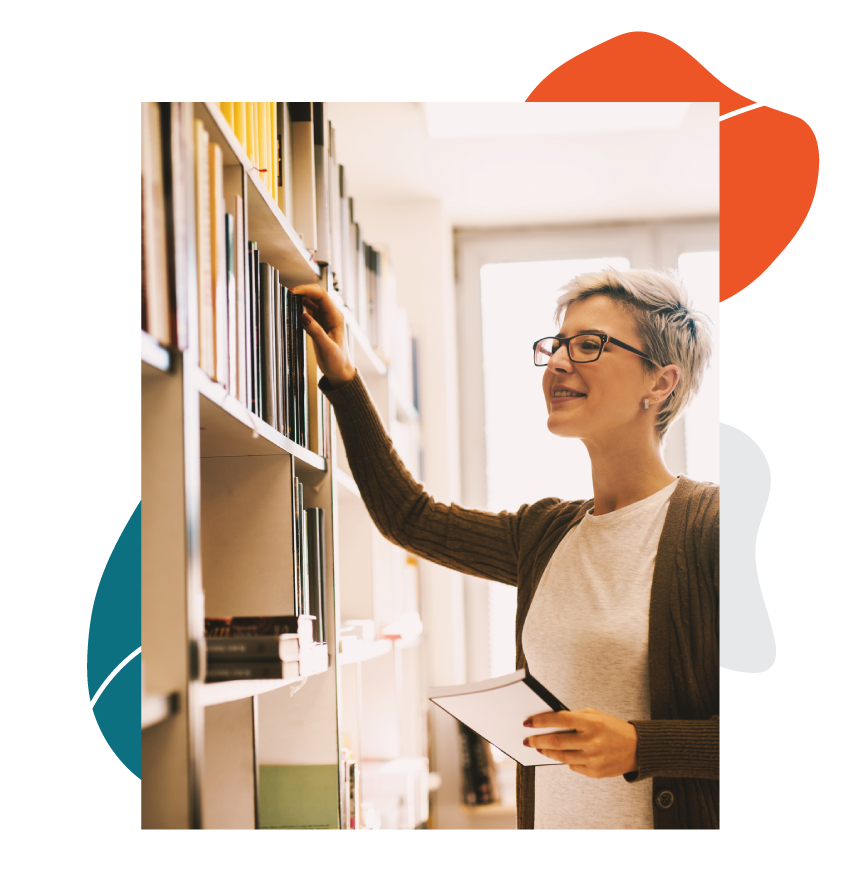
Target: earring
(646,404)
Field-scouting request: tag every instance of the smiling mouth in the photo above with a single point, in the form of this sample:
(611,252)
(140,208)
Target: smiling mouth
(557,394)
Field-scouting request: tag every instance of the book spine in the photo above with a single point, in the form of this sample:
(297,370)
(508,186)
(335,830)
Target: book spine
(306,603)
(206,331)
(241,305)
(255,332)
(281,358)
(267,342)
(155,256)
(239,124)
(320,147)
(232,332)
(296,546)
(316,551)
(259,670)
(286,297)
(304,173)
(217,253)
(174,180)
(252,649)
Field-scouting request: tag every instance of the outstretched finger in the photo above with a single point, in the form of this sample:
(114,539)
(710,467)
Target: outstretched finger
(563,720)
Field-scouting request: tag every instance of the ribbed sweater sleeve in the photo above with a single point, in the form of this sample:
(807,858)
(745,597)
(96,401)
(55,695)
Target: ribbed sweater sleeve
(471,541)
(677,749)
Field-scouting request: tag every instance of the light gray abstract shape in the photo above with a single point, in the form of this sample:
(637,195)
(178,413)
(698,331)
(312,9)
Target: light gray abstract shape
(746,636)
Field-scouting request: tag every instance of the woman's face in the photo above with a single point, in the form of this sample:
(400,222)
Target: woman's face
(595,401)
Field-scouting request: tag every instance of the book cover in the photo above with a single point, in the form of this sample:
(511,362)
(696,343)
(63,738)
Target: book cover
(316,568)
(252,671)
(347,285)
(320,148)
(233,204)
(296,546)
(281,647)
(285,410)
(495,709)
(250,323)
(316,419)
(334,210)
(299,796)
(267,345)
(155,262)
(303,173)
(219,261)
(303,388)
(280,357)
(232,330)
(206,318)
(306,603)
(284,138)
(259,626)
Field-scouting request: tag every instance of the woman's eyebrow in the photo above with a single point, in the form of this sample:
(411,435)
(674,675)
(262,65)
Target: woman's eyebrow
(589,331)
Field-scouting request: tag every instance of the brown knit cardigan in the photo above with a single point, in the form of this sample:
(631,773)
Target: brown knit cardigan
(679,748)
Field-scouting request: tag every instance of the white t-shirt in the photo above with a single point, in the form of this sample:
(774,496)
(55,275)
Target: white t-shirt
(586,639)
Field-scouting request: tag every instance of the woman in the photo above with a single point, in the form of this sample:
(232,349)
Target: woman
(617,597)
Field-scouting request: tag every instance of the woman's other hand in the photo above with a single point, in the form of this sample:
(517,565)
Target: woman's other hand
(325,323)
(601,746)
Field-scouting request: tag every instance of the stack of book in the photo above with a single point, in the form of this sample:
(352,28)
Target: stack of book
(262,647)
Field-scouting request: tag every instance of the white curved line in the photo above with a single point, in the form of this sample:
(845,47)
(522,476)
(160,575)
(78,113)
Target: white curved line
(793,733)
(732,114)
(73,755)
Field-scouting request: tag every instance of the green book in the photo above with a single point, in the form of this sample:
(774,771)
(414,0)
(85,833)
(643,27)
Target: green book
(299,796)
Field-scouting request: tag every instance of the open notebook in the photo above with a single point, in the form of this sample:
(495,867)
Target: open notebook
(496,708)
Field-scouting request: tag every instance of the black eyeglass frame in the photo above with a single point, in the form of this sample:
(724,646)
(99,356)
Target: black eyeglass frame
(565,341)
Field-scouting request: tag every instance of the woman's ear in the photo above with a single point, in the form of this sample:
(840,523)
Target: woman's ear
(665,383)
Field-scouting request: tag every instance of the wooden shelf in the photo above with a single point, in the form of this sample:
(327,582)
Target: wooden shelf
(154,355)
(228,429)
(157,708)
(364,651)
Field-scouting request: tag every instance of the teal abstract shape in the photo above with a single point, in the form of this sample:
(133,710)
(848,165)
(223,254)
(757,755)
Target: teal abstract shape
(746,635)
(115,633)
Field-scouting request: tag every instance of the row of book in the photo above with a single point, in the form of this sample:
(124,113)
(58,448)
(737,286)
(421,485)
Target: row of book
(293,147)
(262,647)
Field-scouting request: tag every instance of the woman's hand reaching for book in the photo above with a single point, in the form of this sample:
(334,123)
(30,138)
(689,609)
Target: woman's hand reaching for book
(325,323)
(599,745)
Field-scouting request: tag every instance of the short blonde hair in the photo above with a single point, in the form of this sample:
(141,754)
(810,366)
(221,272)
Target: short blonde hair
(673,333)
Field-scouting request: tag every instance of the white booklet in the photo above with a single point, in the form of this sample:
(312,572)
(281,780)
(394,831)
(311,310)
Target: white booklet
(496,708)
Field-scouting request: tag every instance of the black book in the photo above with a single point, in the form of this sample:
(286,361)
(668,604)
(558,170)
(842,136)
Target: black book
(267,647)
(292,397)
(267,327)
(280,355)
(302,383)
(252,626)
(285,297)
(244,671)
(316,568)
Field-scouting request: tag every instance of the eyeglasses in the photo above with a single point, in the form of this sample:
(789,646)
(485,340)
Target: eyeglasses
(580,347)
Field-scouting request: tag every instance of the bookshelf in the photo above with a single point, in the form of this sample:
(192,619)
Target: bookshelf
(218,486)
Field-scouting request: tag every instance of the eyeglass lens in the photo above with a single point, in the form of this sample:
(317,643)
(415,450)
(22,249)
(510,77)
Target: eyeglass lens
(585,348)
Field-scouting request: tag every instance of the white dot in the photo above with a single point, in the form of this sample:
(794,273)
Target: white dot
(47,118)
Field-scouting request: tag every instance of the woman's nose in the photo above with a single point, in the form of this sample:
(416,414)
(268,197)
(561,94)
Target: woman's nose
(561,358)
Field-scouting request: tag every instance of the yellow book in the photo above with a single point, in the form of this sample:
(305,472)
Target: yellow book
(239,124)
(206,332)
(273,148)
(227,111)
(218,253)
(264,143)
(249,130)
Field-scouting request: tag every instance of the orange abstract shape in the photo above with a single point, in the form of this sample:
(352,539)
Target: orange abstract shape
(768,160)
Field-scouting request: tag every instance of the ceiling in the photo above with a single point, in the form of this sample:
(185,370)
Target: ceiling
(534,163)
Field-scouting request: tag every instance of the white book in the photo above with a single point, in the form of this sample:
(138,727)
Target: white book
(495,709)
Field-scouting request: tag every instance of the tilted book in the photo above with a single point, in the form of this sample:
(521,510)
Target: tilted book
(495,709)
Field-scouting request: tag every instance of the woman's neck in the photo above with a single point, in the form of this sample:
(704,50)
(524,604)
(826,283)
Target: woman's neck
(626,474)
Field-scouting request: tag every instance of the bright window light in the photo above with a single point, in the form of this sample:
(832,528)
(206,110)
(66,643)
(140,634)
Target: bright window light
(510,119)
(525,462)
(700,272)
